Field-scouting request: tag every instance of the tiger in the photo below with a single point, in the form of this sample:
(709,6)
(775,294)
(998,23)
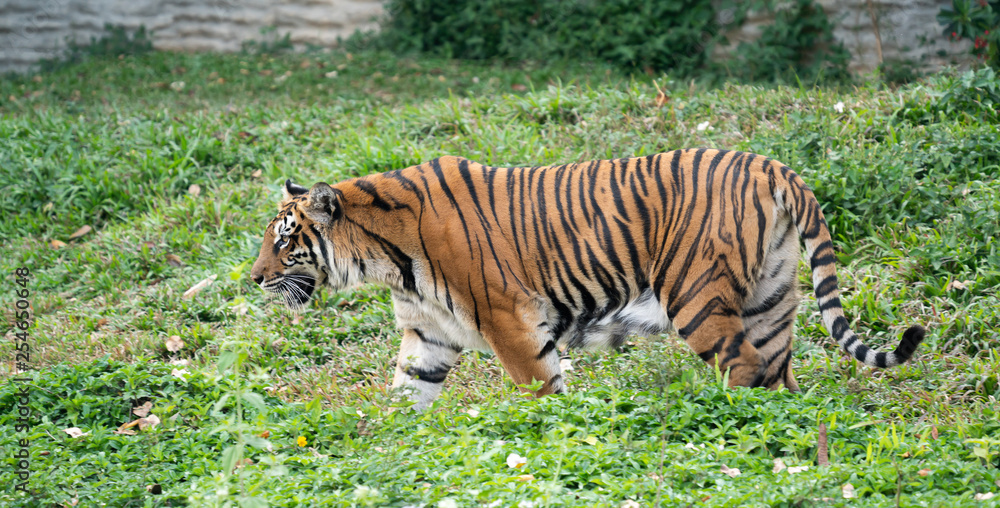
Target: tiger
(529,261)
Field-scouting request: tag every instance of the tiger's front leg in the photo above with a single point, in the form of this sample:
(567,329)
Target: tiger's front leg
(425,358)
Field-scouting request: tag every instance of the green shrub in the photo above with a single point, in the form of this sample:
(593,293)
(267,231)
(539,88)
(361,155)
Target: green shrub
(799,42)
(980,22)
(675,36)
(617,31)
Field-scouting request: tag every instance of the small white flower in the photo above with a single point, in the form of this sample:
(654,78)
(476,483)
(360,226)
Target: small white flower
(180,373)
(525,504)
(177,86)
(629,503)
(364,492)
(447,503)
(516,461)
(703,126)
(839,107)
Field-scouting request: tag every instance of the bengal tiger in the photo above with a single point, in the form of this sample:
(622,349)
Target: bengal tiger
(522,260)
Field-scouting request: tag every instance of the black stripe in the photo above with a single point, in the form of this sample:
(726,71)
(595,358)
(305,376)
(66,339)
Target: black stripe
(434,342)
(554,379)
(443,182)
(322,245)
(435,375)
(706,311)
(826,286)
(880,360)
(782,370)
(769,302)
(761,342)
(369,188)
(733,349)
(546,349)
(840,327)
(710,354)
(833,303)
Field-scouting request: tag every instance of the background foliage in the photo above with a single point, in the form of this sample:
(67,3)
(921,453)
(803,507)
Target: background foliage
(675,36)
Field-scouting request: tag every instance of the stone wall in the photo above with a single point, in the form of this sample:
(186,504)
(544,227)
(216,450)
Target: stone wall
(34,29)
(908,29)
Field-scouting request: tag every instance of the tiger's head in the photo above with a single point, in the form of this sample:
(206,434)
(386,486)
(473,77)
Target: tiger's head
(298,252)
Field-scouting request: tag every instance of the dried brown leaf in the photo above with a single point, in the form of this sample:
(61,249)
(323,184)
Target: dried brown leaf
(732,472)
(199,286)
(924,472)
(150,421)
(56,244)
(779,466)
(848,491)
(194,190)
(75,432)
(174,260)
(80,232)
(173,344)
(256,174)
(525,477)
(142,410)
(362,428)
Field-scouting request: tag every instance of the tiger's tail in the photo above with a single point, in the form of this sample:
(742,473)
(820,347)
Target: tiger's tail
(805,211)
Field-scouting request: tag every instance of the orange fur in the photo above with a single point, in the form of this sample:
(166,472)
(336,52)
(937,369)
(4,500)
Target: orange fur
(520,259)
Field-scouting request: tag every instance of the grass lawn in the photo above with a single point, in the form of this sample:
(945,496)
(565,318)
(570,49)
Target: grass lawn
(174,161)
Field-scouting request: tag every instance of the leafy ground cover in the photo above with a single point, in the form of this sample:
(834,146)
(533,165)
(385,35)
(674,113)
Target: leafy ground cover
(174,161)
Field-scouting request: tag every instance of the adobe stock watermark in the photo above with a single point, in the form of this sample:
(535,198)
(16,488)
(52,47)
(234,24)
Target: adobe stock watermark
(22,363)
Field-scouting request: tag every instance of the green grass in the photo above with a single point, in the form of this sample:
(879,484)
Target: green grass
(907,177)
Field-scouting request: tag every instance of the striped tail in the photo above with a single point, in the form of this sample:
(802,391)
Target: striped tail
(809,221)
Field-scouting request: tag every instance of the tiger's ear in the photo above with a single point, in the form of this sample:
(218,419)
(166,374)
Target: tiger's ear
(324,205)
(289,191)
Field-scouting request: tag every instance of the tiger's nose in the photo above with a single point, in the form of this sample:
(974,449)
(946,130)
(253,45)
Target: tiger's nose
(258,279)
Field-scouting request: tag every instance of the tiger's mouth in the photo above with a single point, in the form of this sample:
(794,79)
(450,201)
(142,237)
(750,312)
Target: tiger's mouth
(295,289)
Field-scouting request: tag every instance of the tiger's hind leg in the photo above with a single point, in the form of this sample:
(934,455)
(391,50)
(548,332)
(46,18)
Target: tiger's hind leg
(710,324)
(769,311)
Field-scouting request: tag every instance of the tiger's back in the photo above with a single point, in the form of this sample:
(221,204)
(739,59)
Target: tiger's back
(519,260)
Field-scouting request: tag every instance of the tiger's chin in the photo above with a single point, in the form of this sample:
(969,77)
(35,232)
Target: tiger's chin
(295,290)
